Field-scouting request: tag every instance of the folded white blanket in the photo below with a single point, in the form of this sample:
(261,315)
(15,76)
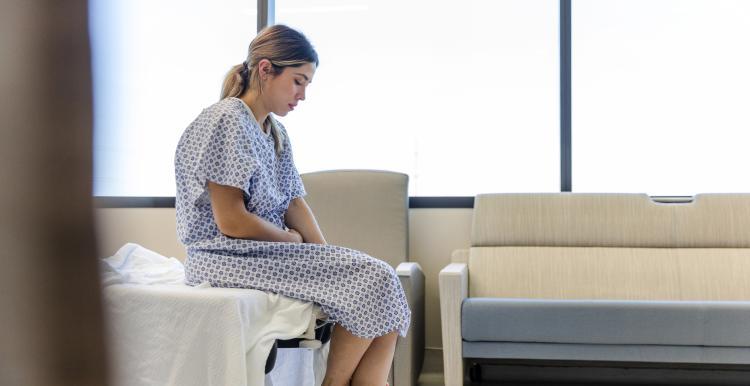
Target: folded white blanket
(137,265)
(163,332)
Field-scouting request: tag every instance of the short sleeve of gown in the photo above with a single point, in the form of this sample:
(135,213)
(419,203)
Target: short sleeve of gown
(296,187)
(227,157)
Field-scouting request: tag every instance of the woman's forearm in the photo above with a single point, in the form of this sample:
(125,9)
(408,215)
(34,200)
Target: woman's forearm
(300,217)
(253,227)
(233,219)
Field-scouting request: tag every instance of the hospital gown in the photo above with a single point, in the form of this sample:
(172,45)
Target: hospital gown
(225,145)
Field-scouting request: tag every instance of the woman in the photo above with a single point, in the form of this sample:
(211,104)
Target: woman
(242,216)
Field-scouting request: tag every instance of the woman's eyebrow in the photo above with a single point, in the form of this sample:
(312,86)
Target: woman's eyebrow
(303,75)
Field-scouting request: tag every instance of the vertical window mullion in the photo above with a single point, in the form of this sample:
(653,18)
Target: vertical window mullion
(566,167)
(266,13)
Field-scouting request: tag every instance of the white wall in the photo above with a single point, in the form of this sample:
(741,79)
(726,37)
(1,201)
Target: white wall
(434,234)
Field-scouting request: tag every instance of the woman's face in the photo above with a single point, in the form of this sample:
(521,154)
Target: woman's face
(283,91)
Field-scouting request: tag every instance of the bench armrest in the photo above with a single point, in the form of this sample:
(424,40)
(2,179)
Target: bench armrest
(454,288)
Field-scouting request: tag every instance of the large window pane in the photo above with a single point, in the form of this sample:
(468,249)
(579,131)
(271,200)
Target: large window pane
(462,96)
(660,96)
(156,65)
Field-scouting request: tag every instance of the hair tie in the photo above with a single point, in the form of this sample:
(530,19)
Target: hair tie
(244,74)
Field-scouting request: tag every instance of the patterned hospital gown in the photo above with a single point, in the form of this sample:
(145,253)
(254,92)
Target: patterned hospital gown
(226,145)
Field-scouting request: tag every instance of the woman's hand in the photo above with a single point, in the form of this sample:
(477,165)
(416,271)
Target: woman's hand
(297,236)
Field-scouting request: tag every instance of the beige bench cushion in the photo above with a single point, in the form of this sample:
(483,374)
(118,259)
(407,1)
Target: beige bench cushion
(610,220)
(610,273)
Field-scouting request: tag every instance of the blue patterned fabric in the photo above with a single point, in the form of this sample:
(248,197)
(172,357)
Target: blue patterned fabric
(226,145)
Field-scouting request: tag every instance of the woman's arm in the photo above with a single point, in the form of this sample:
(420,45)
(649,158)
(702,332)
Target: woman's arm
(299,216)
(234,220)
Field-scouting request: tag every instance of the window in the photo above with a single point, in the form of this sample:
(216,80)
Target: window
(660,96)
(463,97)
(156,65)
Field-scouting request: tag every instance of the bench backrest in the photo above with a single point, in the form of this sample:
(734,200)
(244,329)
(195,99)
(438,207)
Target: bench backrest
(610,246)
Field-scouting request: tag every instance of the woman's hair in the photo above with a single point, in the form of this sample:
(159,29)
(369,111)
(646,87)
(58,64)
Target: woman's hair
(283,47)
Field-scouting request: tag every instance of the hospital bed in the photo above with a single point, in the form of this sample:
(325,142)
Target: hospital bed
(163,332)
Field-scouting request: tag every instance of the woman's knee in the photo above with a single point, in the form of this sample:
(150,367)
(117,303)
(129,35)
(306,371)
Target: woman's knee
(383,270)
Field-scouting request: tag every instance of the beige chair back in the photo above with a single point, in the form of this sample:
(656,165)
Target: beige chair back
(366,210)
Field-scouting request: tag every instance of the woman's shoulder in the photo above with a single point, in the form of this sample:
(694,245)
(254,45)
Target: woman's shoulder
(224,107)
(227,111)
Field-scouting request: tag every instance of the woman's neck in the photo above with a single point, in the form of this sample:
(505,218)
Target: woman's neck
(260,112)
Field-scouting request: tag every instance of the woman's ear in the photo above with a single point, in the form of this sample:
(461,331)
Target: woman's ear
(265,68)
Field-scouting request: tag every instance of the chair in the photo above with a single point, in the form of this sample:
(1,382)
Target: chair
(368,211)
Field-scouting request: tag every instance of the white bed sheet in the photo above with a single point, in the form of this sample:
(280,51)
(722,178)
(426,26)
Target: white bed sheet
(173,334)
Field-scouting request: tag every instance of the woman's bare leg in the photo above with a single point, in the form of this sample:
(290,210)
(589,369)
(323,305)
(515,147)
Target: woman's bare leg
(344,355)
(375,364)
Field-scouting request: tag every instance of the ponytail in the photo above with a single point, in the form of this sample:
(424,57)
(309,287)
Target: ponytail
(235,82)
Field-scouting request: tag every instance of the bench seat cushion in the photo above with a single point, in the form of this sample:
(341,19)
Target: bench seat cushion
(680,323)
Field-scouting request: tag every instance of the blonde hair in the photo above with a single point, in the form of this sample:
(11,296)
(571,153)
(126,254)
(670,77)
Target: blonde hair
(283,47)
